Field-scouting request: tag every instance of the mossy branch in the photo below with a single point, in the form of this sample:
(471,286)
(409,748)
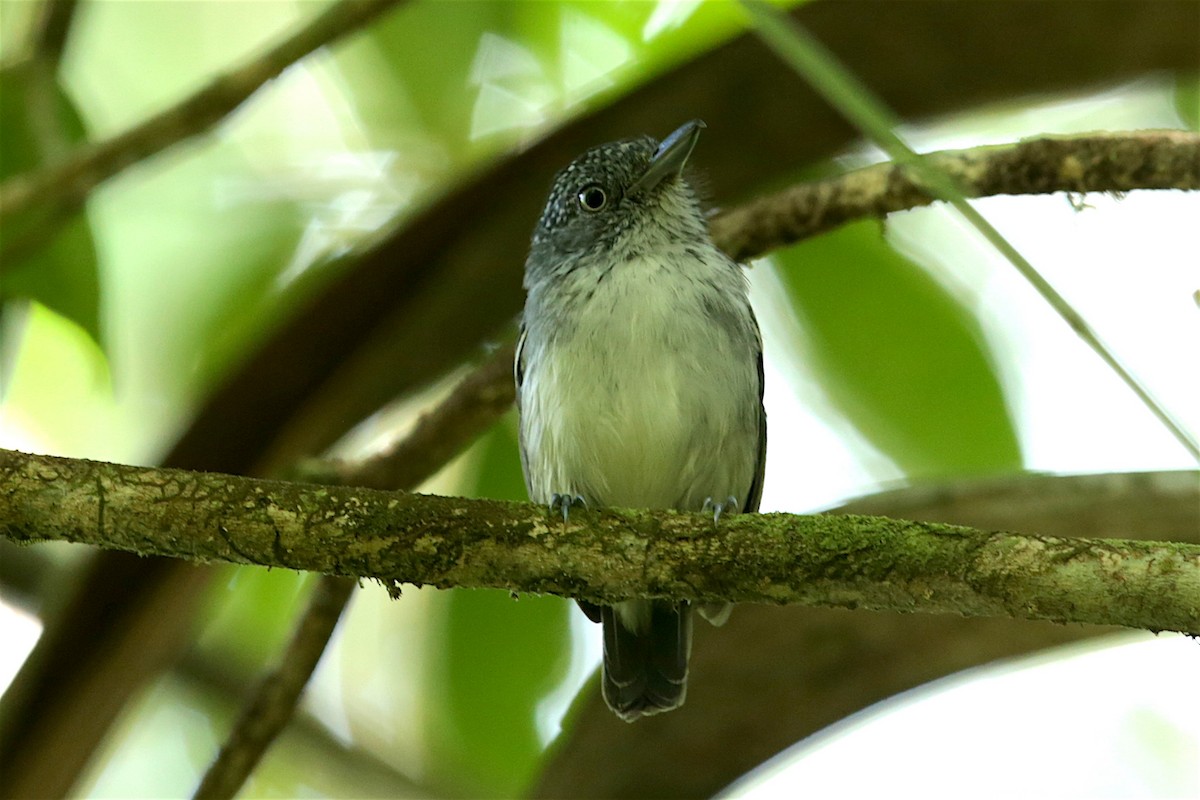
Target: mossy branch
(1098,162)
(398,537)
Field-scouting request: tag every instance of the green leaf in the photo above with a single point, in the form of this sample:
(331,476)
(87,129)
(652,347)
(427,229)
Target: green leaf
(250,616)
(1187,100)
(422,59)
(499,658)
(38,124)
(500,475)
(196,276)
(899,356)
(446,84)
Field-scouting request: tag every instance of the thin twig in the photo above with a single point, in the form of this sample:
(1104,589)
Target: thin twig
(858,104)
(210,673)
(38,70)
(60,190)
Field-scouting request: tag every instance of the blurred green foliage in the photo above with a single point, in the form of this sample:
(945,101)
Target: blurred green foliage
(449,84)
(1187,100)
(38,125)
(250,617)
(208,245)
(899,355)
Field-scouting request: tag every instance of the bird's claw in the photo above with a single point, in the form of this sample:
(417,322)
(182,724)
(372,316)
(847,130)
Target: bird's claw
(730,503)
(563,503)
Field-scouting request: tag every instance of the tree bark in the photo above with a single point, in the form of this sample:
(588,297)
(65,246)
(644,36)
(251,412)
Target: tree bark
(849,561)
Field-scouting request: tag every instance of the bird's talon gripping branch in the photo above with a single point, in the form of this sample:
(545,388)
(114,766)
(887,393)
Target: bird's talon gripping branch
(731,503)
(563,503)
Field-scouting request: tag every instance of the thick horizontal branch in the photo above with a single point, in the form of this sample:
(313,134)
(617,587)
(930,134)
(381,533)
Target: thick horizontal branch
(1110,162)
(397,537)
(823,665)
(40,752)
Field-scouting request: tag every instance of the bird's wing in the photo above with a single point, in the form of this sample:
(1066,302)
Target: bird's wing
(754,496)
(519,362)
(519,378)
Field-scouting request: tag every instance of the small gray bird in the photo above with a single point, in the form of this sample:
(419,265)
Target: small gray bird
(639,379)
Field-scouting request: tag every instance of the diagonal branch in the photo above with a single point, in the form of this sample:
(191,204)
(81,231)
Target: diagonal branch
(854,100)
(394,537)
(60,190)
(439,435)
(275,700)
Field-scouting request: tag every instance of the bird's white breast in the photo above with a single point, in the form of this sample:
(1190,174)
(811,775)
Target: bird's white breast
(640,398)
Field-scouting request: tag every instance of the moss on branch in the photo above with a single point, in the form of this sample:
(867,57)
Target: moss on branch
(399,537)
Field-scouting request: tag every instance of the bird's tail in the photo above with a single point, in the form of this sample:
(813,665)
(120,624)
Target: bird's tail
(646,649)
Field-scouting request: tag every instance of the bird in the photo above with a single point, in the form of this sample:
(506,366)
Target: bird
(639,375)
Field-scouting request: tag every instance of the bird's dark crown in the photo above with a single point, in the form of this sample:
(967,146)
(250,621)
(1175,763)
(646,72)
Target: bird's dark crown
(613,167)
(569,229)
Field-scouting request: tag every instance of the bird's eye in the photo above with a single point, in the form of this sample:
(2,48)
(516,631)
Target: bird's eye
(593,198)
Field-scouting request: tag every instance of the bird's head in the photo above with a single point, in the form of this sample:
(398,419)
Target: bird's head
(617,200)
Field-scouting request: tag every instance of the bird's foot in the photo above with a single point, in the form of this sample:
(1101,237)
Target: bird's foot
(730,504)
(563,503)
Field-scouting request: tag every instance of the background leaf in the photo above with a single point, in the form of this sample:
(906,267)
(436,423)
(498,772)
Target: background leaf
(38,122)
(899,356)
(1187,100)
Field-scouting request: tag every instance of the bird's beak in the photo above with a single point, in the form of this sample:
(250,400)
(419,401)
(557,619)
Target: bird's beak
(668,160)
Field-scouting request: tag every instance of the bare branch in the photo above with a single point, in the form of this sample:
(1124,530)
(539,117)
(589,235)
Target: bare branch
(60,190)
(396,537)
(373,775)
(1117,162)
